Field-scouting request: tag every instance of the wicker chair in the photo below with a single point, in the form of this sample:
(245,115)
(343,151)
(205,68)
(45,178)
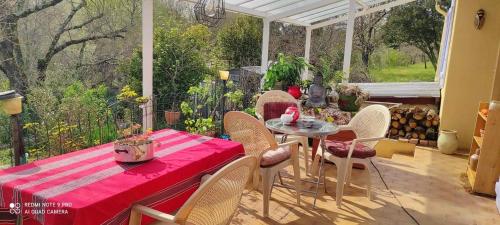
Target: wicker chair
(369,125)
(214,203)
(259,142)
(281,96)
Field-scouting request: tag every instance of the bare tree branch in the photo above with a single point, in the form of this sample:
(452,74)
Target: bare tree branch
(39,7)
(111,35)
(62,29)
(85,23)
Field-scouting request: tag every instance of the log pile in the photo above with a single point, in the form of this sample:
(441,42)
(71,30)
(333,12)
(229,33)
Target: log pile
(415,124)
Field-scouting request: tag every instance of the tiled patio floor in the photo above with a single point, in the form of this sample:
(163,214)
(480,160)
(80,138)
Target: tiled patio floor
(428,185)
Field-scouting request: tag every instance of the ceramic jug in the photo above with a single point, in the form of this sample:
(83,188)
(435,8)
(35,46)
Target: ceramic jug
(448,141)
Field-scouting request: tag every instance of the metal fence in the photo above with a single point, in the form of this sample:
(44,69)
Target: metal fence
(78,129)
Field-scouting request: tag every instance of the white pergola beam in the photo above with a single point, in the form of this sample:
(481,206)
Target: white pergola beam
(362,4)
(265,45)
(362,13)
(300,8)
(147,62)
(253,12)
(348,39)
(307,51)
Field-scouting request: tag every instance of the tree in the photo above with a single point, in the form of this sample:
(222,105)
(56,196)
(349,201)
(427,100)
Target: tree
(417,24)
(84,21)
(240,41)
(365,38)
(180,61)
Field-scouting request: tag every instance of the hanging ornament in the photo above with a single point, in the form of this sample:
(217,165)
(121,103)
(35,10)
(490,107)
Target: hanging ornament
(210,12)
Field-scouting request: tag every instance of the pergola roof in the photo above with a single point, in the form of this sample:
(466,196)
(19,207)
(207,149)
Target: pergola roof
(309,13)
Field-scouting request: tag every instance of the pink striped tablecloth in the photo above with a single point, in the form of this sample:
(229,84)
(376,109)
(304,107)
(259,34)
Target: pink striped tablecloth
(89,187)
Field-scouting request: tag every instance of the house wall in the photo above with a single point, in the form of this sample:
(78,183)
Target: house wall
(472,67)
(496,86)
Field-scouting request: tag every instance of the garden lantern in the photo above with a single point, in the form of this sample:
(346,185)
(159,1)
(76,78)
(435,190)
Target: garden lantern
(224,76)
(12,104)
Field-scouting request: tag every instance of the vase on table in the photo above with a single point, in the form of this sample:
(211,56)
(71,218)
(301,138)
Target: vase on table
(448,141)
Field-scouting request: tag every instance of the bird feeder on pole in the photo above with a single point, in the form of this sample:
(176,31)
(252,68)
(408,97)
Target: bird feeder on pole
(12,104)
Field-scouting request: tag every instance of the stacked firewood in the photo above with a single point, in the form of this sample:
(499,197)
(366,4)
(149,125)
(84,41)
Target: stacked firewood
(415,124)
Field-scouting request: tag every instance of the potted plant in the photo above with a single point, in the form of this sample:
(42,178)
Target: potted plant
(173,115)
(351,97)
(132,145)
(203,126)
(285,73)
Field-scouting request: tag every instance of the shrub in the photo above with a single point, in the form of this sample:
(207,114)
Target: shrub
(240,41)
(180,60)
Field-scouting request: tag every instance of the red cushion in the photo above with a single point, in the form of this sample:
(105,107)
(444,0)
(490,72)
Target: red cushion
(341,149)
(273,157)
(274,110)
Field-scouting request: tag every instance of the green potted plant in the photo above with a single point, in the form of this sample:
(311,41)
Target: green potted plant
(203,126)
(285,73)
(351,97)
(132,145)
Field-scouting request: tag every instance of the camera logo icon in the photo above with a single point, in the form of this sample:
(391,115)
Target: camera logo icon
(15,208)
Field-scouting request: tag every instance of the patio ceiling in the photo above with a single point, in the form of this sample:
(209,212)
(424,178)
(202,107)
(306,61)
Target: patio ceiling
(308,13)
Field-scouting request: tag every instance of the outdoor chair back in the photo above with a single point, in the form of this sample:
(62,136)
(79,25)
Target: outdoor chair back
(247,130)
(215,201)
(372,121)
(272,96)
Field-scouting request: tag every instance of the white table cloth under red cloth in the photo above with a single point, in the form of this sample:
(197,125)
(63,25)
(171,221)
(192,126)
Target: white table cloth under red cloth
(89,187)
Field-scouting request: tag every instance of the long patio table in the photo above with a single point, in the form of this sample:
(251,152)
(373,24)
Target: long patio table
(89,187)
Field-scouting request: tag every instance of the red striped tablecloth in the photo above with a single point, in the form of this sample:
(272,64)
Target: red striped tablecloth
(88,187)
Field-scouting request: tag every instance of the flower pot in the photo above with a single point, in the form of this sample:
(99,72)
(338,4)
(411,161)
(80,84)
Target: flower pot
(347,103)
(295,91)
(130,153)
(172,117)
(448,141)
(278,86)
(210,134)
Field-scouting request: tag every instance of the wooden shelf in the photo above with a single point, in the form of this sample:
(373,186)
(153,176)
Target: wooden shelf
(471,174)
(483,179)
(478,140)
(482,116)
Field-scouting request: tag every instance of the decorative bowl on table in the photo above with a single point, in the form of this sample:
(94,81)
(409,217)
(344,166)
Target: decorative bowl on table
(308,121)
(130,151)
(134,148)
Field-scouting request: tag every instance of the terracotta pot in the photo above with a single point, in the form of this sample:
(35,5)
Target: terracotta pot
(295,91)
(172,117)
(210,134)
(448,141)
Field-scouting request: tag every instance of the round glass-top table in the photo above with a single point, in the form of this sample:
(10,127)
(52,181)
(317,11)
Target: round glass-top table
(319,129)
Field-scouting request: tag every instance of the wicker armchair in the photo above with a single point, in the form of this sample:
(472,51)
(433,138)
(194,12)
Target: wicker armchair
(259,142)
(281,96)
(214,203)
(369,125)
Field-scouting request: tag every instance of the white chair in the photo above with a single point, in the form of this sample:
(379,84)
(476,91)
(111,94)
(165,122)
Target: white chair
(369,125)
(215,201)
(271,156)
(282,97)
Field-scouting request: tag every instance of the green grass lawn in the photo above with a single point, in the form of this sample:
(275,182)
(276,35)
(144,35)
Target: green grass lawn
(416,72)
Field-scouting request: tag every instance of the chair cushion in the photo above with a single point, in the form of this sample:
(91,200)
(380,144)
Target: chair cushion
(274,110)
(341,149)
(273,157)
